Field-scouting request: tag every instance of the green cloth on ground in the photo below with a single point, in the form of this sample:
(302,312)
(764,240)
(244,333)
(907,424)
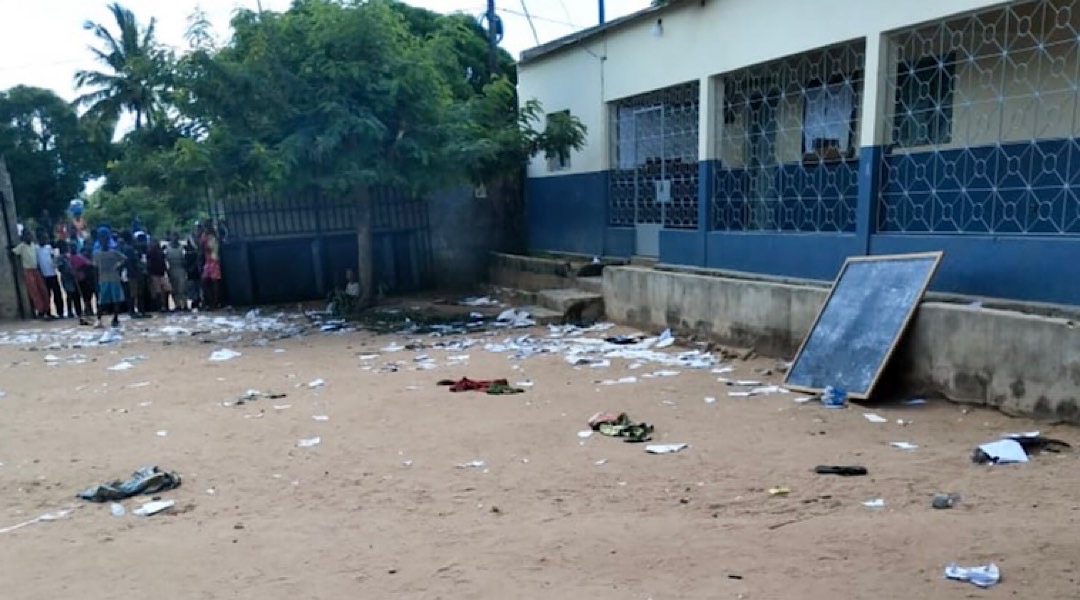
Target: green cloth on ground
(621,426)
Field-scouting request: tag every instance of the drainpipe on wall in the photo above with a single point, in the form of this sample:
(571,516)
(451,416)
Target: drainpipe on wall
(601,9)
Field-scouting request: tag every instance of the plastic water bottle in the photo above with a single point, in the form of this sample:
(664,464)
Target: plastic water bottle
(834,397)
(117,509)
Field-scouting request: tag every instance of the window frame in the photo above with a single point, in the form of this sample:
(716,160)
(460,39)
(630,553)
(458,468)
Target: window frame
(913,126)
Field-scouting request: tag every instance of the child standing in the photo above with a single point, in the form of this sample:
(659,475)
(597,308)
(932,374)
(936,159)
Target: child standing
(110,287)
(82,268)
(72,297)
(174,255)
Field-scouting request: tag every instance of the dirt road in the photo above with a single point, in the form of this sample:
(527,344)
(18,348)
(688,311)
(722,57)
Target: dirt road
(380,509)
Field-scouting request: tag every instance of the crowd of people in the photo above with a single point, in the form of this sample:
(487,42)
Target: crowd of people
(76,273)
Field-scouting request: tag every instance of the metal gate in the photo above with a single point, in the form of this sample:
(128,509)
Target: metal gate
(655,150)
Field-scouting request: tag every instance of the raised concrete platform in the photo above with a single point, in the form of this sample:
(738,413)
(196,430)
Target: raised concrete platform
(1023,364)
(535,273)
(591,284)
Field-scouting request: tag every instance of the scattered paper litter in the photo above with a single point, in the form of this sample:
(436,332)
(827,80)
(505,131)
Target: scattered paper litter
(982,575)
(472,464)
(309,442)
(316,383)
(875,503)
(525,384)
(392,348)
(320,417)
(1004,452)
(741,394)
(803,399)
(45,518)
(665,448)
(602,461)
(121,366)
(619,381)
(51,358)
(745,383)
(903,445)
(585,434)
(1025,434)
(915,401)
(709,400)
(153,508)
(723,370)
(368,356)
(666,339)
(770,389)
(139,384)
(163,433)
(223,355)
(655,374)
(875,418)
(282,406)
(481,301)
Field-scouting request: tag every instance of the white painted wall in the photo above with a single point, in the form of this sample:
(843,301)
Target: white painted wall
(701,41)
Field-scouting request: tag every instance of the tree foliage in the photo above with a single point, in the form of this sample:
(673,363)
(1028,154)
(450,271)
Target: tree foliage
(134,71)
(330,95)
(49,150)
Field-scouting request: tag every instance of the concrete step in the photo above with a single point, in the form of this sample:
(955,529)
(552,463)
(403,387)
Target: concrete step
(563,299)
(593,285)
(644,261)
(544,316)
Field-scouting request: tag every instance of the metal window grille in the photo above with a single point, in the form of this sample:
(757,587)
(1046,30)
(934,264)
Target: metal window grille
(983,114)
(787,143)
(654,150)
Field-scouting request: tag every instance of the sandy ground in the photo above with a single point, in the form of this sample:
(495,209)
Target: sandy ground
(380,510)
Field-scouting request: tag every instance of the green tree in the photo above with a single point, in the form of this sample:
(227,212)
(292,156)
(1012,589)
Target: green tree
(134,75)
(49,152)
(338,97)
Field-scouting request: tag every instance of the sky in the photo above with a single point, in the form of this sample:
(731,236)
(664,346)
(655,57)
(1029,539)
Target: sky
(42,43)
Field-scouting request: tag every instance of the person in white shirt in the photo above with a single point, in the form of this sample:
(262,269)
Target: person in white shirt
(48,271)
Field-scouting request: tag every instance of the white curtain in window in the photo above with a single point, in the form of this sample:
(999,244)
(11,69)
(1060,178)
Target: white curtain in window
(828,115)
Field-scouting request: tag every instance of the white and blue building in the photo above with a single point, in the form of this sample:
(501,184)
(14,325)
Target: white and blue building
(782,137)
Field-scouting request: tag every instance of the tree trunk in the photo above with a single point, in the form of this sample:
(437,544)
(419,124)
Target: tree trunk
(365,264)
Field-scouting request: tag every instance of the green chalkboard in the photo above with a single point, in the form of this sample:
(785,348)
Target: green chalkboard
(858,327)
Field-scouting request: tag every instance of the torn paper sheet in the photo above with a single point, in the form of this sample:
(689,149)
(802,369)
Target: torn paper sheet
(665,448)
(1004,452)
(982,576)
(875,418)
(223,355)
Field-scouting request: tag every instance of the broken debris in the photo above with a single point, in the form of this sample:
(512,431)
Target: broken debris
(147,480)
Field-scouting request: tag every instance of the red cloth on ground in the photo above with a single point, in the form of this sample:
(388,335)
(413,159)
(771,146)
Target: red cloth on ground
(471,385)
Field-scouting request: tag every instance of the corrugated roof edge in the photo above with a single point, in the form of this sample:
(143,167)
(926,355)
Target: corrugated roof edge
(578,37)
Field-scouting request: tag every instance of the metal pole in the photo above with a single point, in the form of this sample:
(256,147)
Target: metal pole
(601,6)
(492,44)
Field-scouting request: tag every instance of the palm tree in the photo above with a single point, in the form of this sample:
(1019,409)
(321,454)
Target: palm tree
(132,79)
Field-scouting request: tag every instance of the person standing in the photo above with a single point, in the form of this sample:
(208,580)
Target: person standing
(108,264)
(80,267)
(89,283)
(47,266)
(158,269)
(211,275)
(26,250)
(193,268)
(72,297)
(174,256)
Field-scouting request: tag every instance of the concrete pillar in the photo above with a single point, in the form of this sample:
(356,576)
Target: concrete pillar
(873,132)
(13,300)
(710,102)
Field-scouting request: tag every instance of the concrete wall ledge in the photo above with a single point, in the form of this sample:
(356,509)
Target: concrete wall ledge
(1021,363)
(536,273)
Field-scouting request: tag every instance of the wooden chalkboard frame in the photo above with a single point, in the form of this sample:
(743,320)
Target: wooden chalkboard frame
(859,395)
